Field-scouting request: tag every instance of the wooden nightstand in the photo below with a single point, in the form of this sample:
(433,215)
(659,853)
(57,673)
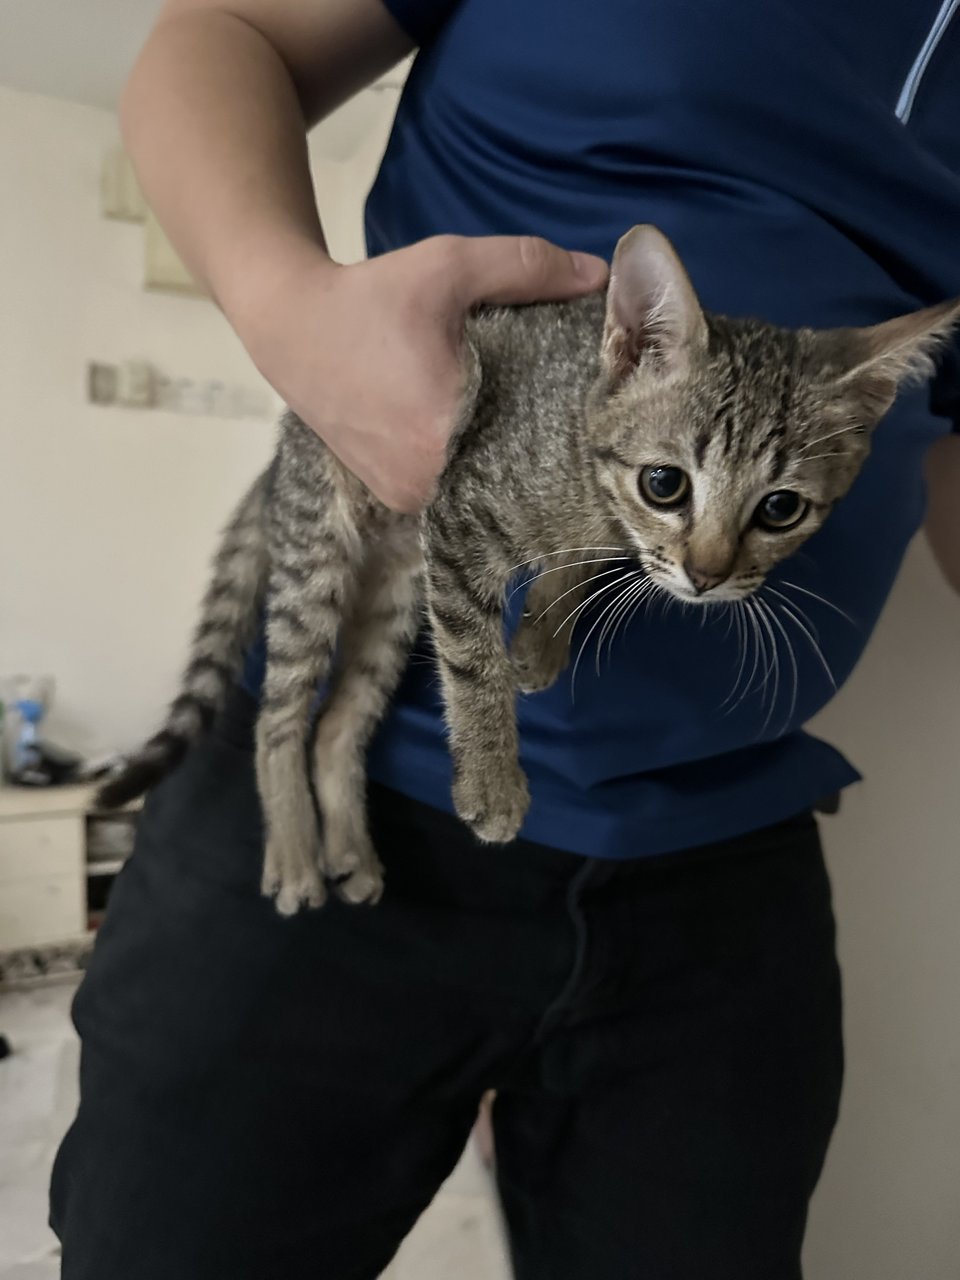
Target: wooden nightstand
(45,875)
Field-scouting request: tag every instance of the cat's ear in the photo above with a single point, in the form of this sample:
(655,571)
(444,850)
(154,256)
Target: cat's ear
(885,357)
(653,314)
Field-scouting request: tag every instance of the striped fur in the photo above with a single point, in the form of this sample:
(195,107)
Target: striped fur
(565,407)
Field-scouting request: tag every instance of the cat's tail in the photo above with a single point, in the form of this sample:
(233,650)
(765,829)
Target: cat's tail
(227,626)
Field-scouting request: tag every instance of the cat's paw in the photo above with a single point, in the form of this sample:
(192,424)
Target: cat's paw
(538,656)
(353,867)
(492,801)
(293,882)
(363,886)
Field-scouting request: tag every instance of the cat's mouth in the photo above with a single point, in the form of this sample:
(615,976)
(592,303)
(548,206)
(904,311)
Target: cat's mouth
(682,582)
(728,592)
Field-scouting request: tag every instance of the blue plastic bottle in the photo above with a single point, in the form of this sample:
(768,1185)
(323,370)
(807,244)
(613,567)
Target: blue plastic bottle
(25,753)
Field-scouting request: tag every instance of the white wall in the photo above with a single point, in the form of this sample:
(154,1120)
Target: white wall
(106,521)
(107,516)
(889,1204)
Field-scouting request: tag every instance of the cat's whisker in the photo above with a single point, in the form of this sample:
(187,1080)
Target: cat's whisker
(761,650)
(608,613)
(792,604)
(657,592)
(660,595)
(617,611)
(737,613)
(710,611)
(822,599)
(774,652)
(814,643)
(585,642)
(793,661)
(744,634)
(754,615)
(775,662)
(629,605)
(751,633)
(730,621)
(564,551)
(577,586)
(611,612)
(575,564)
(593,596)
(640,592)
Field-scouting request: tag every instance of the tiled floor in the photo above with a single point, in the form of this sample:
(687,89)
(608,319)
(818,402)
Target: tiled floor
(458,1238)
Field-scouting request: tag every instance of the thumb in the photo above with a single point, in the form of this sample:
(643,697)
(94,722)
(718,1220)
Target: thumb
(517,269)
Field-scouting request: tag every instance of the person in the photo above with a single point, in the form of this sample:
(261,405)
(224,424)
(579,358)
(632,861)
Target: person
(647,978)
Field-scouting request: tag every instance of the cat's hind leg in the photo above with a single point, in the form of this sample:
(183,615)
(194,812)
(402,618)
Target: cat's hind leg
(308,594)
(374,646)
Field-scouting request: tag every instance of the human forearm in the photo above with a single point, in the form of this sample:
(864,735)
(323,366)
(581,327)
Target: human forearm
(215,116)
(943,514)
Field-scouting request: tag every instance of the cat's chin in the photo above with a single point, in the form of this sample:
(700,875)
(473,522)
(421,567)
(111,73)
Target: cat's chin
(724,594)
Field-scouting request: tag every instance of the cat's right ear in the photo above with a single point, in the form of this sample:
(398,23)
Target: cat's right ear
(653,315)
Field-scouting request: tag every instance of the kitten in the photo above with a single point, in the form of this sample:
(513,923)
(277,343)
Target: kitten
(705,448)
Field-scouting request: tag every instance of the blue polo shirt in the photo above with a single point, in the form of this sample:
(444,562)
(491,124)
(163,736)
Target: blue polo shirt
(805,160)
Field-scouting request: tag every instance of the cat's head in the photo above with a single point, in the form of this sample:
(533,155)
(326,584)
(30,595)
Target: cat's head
(723,444)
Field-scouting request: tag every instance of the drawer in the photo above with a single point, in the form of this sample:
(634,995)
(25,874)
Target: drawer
(34,912)
(41,848)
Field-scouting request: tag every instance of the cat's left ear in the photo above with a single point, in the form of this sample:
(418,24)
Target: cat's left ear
(885,357)
(653,315)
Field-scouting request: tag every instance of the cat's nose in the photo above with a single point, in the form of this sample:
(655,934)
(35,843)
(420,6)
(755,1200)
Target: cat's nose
(704,578)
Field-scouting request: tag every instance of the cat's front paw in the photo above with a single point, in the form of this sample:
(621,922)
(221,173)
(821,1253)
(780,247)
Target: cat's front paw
(492,800)
(538,656)
(352,865)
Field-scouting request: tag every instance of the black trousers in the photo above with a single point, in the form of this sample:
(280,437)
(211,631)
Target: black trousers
(271,1099)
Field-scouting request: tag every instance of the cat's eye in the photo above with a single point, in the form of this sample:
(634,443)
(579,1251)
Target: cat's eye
(664,486)
(781,510)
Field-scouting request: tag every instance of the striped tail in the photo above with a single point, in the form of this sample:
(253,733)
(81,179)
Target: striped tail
(227,627)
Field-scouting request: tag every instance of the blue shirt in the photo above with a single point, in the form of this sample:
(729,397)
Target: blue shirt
(805,160)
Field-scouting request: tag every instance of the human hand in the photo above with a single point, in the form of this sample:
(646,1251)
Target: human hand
(370,355)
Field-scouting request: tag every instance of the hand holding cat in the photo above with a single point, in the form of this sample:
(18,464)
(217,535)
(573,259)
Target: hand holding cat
(369,355)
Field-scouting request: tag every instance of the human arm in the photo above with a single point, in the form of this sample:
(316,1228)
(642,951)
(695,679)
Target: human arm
(215,116)
(943,511)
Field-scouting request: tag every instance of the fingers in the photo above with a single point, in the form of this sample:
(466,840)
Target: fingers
(518,269)
(413,303)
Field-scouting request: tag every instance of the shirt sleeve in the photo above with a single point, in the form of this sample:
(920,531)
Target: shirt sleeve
(421,19)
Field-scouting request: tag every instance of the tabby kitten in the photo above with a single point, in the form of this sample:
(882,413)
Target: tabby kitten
(705,448)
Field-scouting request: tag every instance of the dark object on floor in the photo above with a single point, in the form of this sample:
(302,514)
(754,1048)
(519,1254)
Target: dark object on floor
(5,1049)
(32,964)
(48,766)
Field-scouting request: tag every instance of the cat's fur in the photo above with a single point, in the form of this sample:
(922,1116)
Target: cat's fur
(564,406)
